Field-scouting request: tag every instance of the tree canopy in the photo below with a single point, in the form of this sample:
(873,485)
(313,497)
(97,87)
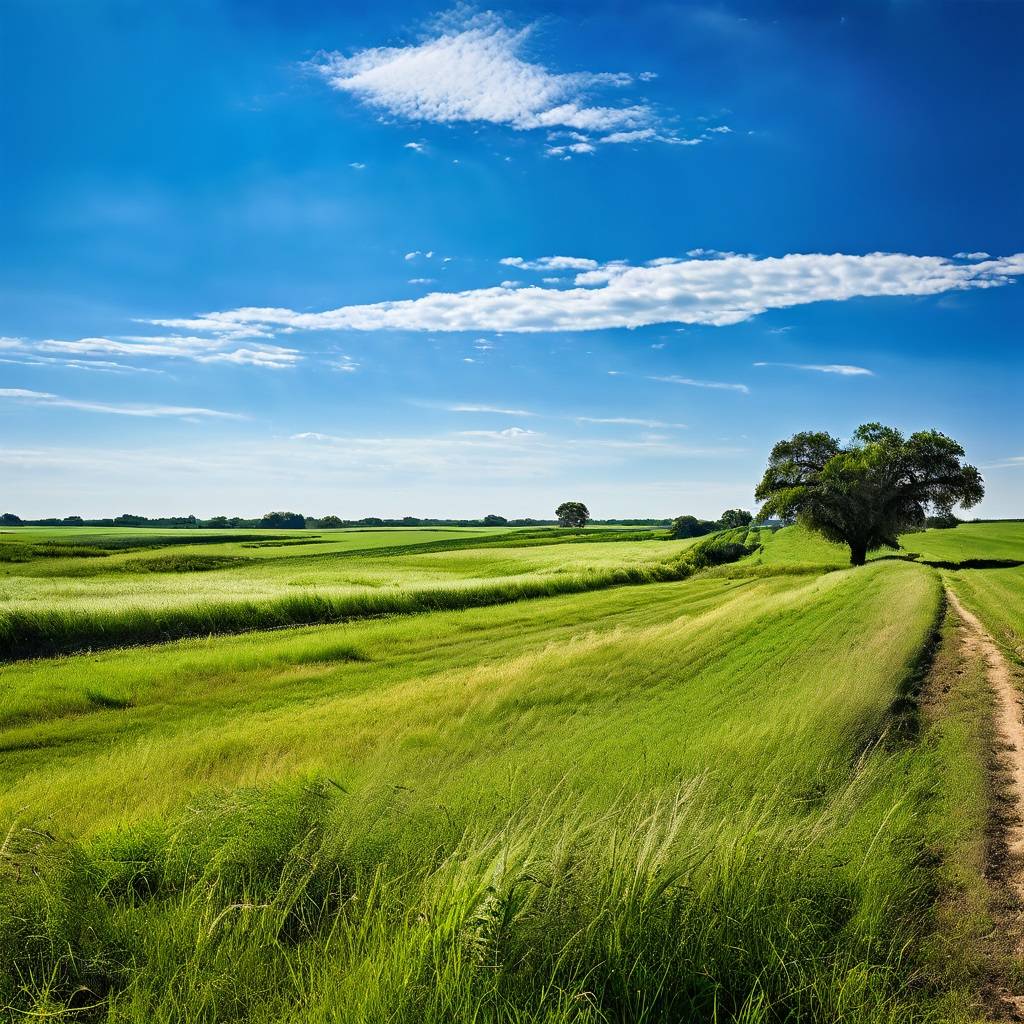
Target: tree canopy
(690,526)
(284,521)
(572,513)
(865,494)
(733,518)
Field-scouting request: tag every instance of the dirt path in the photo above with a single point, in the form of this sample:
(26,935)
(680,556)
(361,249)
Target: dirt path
(1009,719)
(977,644)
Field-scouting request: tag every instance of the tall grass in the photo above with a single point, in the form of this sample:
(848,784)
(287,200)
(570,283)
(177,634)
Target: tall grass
(45,632)
(666,808)
(265,906)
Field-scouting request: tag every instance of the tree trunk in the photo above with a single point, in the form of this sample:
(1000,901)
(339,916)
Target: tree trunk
(858,552)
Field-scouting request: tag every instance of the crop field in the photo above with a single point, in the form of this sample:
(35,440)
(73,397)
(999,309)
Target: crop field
(507,776)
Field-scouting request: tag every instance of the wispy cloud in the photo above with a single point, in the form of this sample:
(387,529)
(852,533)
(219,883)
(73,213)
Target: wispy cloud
(44,398)
(496,410)
(714,385)
(89,365)
(220,348)
(344,364)
(628,421)
(718,291)
(512,433)
(842,369)
(472,69)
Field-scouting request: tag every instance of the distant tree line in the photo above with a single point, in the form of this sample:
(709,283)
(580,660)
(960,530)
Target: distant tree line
(297,521)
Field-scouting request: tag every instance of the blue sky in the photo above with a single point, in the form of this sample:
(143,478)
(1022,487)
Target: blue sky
(403,259)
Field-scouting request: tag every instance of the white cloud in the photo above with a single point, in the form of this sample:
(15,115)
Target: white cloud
(579,148)
(473,70)
(547,263)
(198,349)
(1010,462)
(511,433)
(972,256)
(44,398)
(497,410)
(416,147)
(629,421)
(843,369)
(422,280)
(344,364)
(720,291)
(715,385)
(357,166)
(90,365)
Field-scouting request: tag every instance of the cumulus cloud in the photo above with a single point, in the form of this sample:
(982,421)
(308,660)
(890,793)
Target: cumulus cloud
(843,369)
(45,398)
(972,256)
(547,263)
(474,69)
(717,292)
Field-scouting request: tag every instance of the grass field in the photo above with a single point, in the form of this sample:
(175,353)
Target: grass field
(744,793)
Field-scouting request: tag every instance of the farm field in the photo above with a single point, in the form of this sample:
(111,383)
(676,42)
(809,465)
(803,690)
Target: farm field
(224,567)
(753,792)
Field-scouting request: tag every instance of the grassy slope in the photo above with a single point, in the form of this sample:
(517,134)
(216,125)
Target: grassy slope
(273,572)
(639,804)
(737,707)
(969,541)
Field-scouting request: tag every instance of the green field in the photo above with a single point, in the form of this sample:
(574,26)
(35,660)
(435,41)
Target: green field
(493,783)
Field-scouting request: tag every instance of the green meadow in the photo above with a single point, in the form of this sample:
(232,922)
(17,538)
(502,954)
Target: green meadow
(498,776)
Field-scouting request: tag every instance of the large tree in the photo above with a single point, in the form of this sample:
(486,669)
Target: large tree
(572,513)
(866,493)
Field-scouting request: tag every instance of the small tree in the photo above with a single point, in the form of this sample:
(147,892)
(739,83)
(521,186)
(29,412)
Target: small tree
(572,513)
(733,518)
(943,521)
(689,526)
(495,521)
(329,522)
(10,519)
(866,494)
